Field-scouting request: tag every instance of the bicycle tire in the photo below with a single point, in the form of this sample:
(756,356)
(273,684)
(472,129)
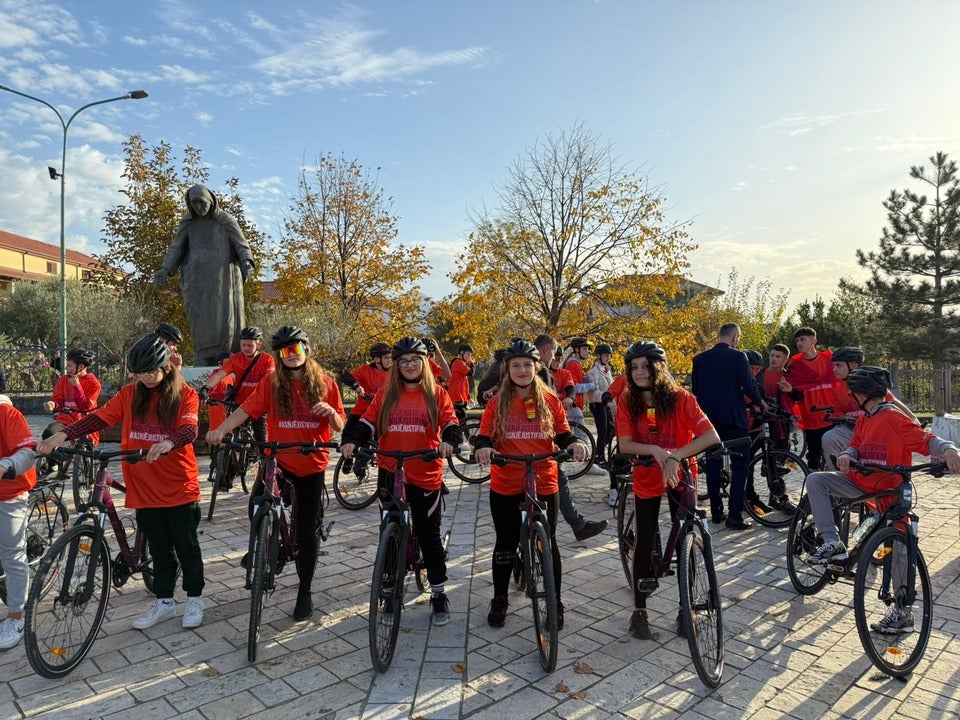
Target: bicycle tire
(354,493)
(896,655)
(463,462)
(700,605)
(218,471)
(791,469)
(626,528)
(82,480)
(803,539)
(258,584)
(574,468)
(47,518)
(386,596)
(519,576)
(59,628)
(542,589)
(797,440)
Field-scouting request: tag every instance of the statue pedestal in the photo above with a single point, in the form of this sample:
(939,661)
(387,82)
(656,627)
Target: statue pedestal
(197,375)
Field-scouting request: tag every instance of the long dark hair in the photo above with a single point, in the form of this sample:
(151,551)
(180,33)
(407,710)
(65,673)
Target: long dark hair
(314,387)
(170,389)
(664,387)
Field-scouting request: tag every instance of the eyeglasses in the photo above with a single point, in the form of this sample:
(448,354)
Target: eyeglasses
(148,373)
(296,350)
(410,362)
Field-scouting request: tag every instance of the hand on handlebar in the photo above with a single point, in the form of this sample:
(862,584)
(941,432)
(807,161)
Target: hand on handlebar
(445,450)
(158,449)
(214,437)
(579,450)
(952,458)
(843,463)
(346,450)
(483,456)
(45,447)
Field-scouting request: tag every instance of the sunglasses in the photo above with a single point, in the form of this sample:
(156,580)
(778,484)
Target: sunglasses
(297,350)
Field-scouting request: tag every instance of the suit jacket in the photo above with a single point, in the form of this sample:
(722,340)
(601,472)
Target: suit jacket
(720,379)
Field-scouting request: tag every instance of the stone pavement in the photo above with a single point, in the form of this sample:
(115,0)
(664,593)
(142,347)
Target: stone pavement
(786,656)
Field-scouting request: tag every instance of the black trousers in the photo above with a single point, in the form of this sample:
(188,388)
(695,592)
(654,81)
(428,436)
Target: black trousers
(172,538)
(426,509)
(646,527)
(507,522)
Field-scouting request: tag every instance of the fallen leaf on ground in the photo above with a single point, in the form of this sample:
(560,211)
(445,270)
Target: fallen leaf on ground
(561,688)
(581,668)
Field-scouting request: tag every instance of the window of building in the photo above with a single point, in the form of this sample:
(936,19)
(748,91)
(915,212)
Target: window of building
(51,268)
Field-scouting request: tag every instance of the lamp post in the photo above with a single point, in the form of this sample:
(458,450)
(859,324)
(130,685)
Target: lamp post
(133,95)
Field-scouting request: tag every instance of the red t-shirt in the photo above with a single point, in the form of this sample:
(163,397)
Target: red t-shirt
(687,422)
(618,385)
(371,379)
(173,479)
(410,429)
(815,379)
(562,380)
(524,437)
(887,437)
(218,413)
(459,383)
(305,425)
(237,365)
(83,397)
(575,369)
(14,436)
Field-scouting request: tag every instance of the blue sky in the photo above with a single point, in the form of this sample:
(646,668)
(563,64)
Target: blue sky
(776,128)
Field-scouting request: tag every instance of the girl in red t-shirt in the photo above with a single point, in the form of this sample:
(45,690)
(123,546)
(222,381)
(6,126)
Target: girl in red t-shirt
(302,404)
(656,417)
(412,412)
(526,417)
(158,413)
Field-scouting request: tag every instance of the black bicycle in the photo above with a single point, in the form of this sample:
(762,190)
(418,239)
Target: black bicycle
(233,461)
(782,471)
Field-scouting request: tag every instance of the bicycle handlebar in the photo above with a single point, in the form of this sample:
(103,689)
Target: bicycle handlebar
(305,448)
(426,455)
(936,468)
(726,447)
(502,459)
(834,419)
(130,456)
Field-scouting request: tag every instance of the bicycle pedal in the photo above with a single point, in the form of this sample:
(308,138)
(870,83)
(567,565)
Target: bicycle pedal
(647,585)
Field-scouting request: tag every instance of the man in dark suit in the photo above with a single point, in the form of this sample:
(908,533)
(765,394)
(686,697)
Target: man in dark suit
(720,379)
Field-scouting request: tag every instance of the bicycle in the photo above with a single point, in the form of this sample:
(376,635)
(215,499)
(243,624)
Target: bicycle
(788,470)
(47,518)
(536,555)
(63,621)
(884,559)
(701,607)
(80,468)
(398,552)
(273,535)
(354,490)
(224,460)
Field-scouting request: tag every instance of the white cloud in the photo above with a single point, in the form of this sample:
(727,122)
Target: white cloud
(136,42)
(204,118)
(96,132)
(801,124)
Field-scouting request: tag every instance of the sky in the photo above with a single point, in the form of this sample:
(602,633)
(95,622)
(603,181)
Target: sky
(775,129)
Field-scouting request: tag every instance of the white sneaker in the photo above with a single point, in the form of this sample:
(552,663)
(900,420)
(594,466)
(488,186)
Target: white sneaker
(159,611)
(192,612)
(612,497)
(596,470)
(10,633)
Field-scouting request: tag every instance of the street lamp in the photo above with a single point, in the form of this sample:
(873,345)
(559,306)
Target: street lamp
(133,95)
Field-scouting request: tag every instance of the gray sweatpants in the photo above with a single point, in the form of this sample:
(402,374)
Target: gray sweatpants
(13,551)
(820,486)
(835,441)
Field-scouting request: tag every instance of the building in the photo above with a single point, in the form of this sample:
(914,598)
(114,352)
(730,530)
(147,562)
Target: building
(24,259)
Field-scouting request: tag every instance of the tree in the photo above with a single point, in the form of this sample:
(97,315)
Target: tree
(570,223)
(139,233)
(338,246)
(849,319)
(915,274)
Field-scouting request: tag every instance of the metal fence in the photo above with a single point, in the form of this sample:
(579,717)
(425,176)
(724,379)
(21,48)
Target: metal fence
(34,370)
(927,388)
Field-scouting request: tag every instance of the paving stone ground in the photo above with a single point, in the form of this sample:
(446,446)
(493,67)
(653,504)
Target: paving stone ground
(787,656)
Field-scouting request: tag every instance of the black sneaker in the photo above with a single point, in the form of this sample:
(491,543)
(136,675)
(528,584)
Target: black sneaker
(783,504)
(639,627)
(681,630)
(498,611)
(589,529)
(304,606)
(439,609)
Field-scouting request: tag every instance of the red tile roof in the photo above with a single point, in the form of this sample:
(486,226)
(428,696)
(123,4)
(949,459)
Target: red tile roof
(42,249)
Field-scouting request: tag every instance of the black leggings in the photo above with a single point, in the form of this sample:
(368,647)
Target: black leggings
(172,538)
(426,508)
(505,510)
(646,528)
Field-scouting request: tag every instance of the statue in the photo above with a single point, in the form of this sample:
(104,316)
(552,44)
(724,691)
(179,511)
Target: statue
(214,260)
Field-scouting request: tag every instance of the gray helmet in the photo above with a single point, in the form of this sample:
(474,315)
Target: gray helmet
(81,356)
(288,335)
(650,350)
(379,350)
(169,332)
(251,333)
(521,348)
(407,345)
(870,381)
(847,355)
(579,342)
(148,353)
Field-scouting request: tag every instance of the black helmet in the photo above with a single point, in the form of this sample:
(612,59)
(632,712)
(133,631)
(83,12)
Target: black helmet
(288,335)
(847,355)
(407,345)
(650,350)
(429,344)
(753,357)
(251,333)
(148,353)
(521,348)
(464,347)
(579,342)
(169,332)
(81,356)
(379,350)
(870,381)
(603,349)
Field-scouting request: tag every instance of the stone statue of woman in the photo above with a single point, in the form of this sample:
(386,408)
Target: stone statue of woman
(214,260)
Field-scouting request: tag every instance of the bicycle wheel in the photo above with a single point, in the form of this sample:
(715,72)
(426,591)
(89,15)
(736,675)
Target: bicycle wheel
(82,480)
(797,440)
(626,528)
(573,468)
(803,539)
(386,596)
(62,624)
(463,462)
(47,517)
(786,468)
(700,605)
(258,584)
(882,590)
(542,590)
(352,491)
(219,464)
(519,576)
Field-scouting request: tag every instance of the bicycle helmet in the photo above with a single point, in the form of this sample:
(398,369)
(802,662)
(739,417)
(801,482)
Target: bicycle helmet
(847,355)
(251,333)
(169,332)
(407,345)
(464,347)
(650,350)
(579,342)
(603,349)
(379,350)
(288,335)
(521,348)
(429,344)
(870,381)
(754,358)
(81,356)
(148,353)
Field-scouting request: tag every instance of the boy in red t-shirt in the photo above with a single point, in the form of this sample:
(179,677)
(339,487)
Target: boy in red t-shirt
(811,373)
(365,381)
(461,370)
